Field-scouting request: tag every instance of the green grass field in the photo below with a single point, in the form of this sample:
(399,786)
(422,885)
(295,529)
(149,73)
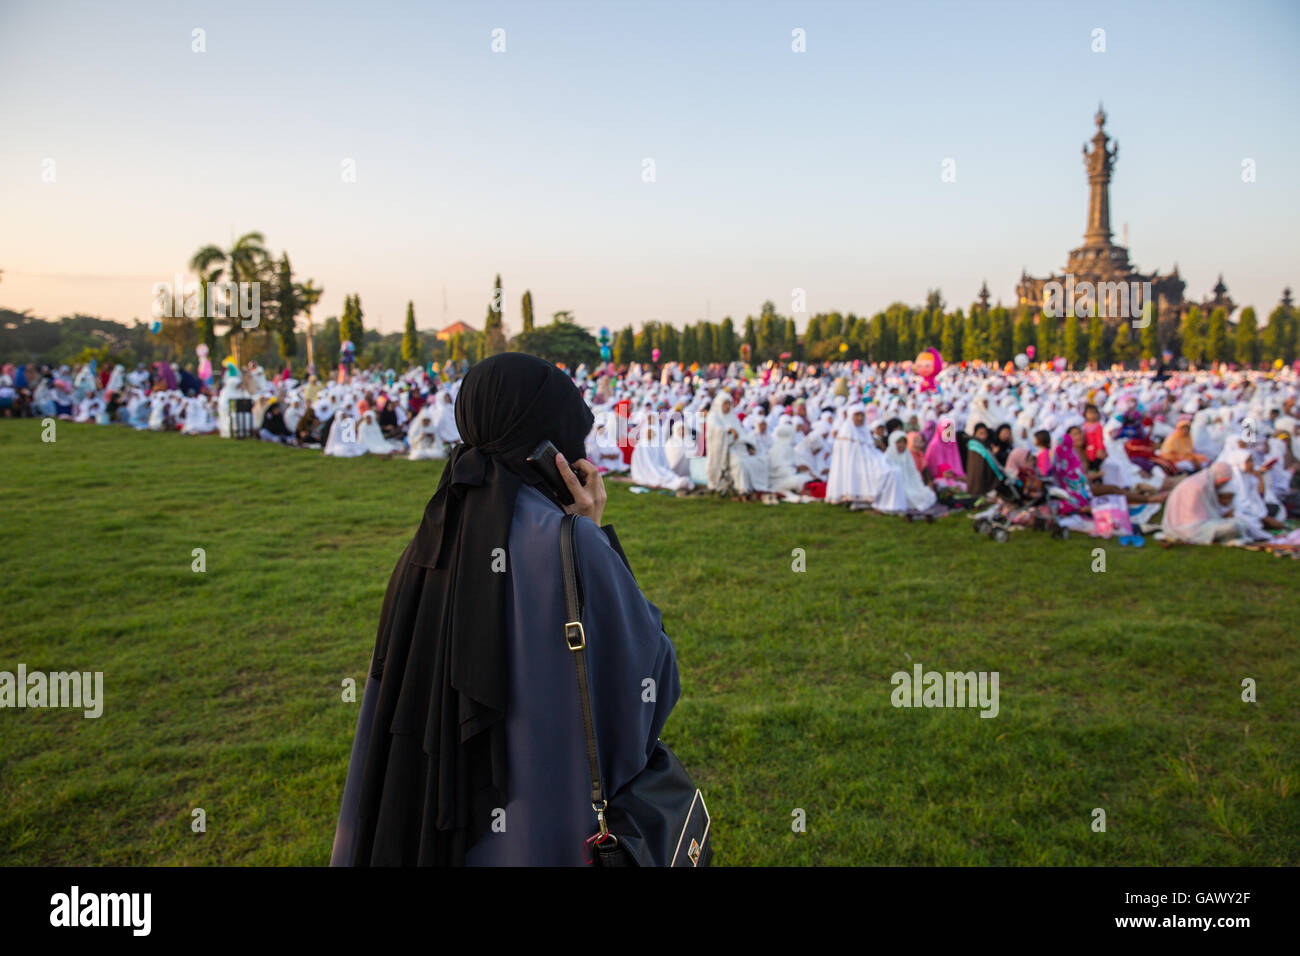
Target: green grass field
(1118,690)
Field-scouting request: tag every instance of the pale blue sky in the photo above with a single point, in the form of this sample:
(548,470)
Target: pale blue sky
(775,170)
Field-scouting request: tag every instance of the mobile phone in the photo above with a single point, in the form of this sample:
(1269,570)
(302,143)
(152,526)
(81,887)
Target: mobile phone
(543,461)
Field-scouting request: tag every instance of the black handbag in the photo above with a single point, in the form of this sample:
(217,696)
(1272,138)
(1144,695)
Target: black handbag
(659,817)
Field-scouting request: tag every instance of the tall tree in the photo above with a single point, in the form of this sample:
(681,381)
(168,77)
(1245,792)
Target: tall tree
(1247,336)
(728,345)
(1047,343)
(669,345)
(1071,343)
(1024,332)
(526,310)
(410,338)
(624,344)
(690,350)
(308,295)
(1098,352)
(1217,344)
(494,333)
(1275,338)
(950,338)
(287,307)
(706,338)
(1192,334)
(1151,331)
(245,261)
(351,327)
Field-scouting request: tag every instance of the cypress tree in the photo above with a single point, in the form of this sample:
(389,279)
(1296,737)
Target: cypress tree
(1071,345)
(494,335)
(728,345)
(690,348)
(1098,352)
(950,338)
(1193,336)
(1024,333)
(1217,344)
(1151,331)
(526,310)
(624,346)
(410,338)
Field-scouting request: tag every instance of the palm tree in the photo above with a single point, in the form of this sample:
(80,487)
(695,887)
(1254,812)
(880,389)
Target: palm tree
(309,294)
(244,261)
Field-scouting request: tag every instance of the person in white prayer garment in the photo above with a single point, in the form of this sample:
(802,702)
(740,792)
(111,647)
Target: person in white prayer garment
(158,412)
(784,474)
(677,451)
(846,482)
(444,419)
(920,496)
(423,438)
(603,450)
(649,466)
(860,474)
(343,441)
(733,462)
(810,457)
(371,437)
(199,419)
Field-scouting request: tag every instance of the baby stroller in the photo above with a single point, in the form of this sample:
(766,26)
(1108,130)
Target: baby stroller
(1012,505)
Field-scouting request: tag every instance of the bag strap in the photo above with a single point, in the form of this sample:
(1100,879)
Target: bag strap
(575,639)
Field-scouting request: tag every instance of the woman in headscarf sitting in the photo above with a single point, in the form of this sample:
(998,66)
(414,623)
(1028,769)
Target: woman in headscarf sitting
(733,461)
(470,747)
(1199,510)
(943,459)
(1180,449)
(1070,475)
(920,497)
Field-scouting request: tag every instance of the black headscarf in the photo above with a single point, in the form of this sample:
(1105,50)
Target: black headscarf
(435,768)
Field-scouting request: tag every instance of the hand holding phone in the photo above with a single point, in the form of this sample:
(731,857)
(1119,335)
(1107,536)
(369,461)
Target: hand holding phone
(586,487)
(543,459)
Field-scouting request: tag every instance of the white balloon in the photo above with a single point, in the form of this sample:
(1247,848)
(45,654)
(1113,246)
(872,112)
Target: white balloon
(1022,360)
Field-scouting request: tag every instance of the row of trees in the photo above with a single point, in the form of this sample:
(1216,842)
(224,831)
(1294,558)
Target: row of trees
(996,334)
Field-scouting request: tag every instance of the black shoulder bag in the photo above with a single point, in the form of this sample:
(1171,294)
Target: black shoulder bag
(659,817)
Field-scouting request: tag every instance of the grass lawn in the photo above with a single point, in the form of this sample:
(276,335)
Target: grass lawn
(1118,690)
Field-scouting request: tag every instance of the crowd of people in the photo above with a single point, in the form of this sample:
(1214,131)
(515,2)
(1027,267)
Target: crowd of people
(1199,456)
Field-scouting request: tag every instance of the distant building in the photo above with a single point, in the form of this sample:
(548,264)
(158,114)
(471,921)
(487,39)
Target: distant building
(456,328)
(1099,271)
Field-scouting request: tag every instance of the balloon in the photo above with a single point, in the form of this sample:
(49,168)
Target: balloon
(1059,363)
(844,346)
(1029,351)
(604,352)
(155,326)
(1022,360)
(654,355)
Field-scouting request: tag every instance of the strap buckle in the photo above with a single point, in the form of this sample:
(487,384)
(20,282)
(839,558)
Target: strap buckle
(575,636)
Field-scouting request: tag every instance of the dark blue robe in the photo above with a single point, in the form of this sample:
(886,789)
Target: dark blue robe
(634,685)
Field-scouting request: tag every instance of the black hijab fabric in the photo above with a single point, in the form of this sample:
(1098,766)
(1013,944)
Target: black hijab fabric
(435,767)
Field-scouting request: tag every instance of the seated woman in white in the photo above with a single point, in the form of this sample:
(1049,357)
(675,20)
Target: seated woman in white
(371,437)
(784,474)
(423,438)
(343,441)
(603,451)
(920,496)
(649,467)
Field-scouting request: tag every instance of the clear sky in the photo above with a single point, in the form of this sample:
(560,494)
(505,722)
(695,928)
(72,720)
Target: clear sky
(774,170)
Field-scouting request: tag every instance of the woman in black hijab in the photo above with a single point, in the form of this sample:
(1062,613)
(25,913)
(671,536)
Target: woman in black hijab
(465,752)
